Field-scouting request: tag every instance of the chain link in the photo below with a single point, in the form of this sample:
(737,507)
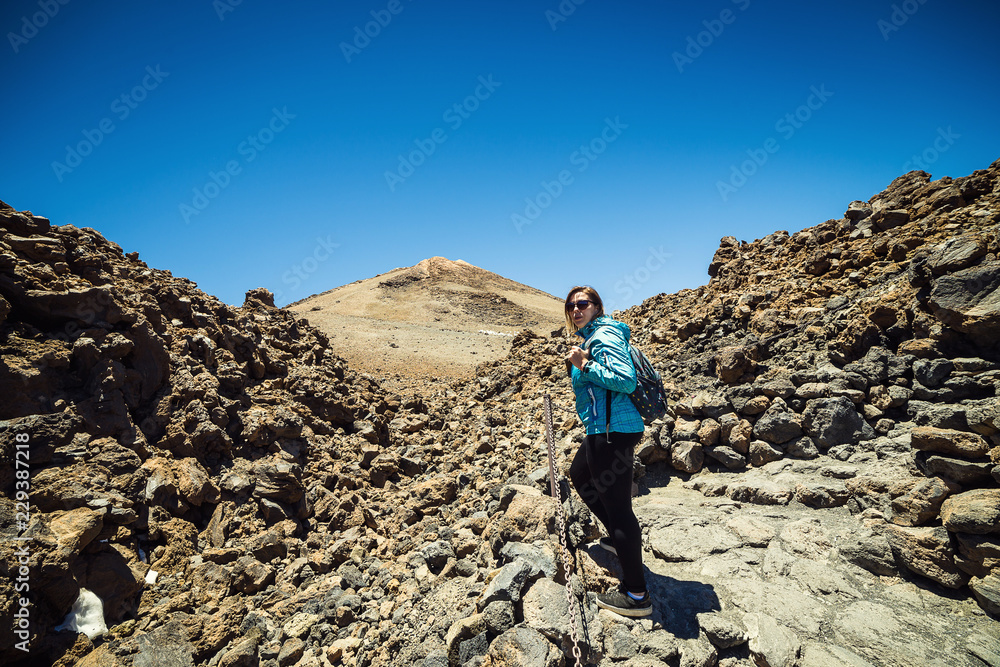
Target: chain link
(561,517)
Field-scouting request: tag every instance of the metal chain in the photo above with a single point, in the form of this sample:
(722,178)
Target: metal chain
(566,410)
(561,517)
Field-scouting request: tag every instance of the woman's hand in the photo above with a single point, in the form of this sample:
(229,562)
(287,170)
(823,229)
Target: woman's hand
(577,356)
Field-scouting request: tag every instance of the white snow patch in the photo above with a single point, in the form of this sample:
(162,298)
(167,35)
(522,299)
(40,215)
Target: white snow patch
(495,333)
(86,616)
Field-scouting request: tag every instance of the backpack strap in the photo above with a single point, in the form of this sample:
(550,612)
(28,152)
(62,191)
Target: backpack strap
(607,414)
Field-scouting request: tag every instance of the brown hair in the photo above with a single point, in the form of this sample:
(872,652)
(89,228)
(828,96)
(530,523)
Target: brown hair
(592,295)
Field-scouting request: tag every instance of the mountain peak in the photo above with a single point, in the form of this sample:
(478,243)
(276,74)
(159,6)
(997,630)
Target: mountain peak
(437,307)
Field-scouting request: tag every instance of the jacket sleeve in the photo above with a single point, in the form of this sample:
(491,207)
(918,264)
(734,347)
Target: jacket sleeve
(611,364)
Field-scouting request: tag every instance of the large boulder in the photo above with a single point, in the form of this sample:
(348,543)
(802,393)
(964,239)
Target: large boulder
(729,249)
(932,372)
(983,417)
(278,479)
(771,643)
(524,646)
(956,253)
(869,551)
(762,453)
(529,516)
(917,501)
(961,471)
(546,609)
(978,555)
(834,421)
(507,584)
(778,424)
(969,301)
(732,363)
(927,552)
(879,366)
(687,456)
(976,511)
(987,592)
(948,441)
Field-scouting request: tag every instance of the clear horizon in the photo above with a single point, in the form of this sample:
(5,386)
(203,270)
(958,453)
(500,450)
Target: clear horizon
(307,146)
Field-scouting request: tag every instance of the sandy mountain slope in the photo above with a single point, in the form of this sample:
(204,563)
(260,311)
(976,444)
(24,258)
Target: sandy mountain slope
(437,318)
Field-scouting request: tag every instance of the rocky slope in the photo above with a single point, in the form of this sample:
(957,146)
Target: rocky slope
(825,493)
(164,428)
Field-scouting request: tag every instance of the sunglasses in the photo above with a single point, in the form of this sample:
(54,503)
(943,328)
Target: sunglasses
(582,304)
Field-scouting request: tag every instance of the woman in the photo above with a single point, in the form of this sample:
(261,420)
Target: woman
(603,377)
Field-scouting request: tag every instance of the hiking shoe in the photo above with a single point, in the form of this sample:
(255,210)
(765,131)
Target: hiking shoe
(622,603)
(608,545)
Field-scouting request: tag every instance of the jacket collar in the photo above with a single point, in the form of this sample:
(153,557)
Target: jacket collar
(590,326)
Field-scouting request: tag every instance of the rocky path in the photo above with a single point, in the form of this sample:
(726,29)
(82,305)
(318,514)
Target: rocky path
(724,572)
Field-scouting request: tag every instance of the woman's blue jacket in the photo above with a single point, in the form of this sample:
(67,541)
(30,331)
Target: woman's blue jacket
(610,368)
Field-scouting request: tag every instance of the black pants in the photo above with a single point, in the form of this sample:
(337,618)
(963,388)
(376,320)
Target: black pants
(602,475)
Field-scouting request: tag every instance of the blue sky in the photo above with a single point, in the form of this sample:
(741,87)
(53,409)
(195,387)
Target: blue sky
(604,143)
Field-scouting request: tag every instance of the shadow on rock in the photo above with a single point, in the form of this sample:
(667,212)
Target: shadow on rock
(677,603)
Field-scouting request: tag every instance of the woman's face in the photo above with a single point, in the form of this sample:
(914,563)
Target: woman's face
(581,317)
